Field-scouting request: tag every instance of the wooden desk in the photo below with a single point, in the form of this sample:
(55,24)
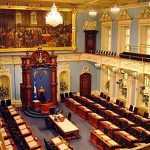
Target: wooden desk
(129,140)
(144,120)
(72,104)
(32,142)
(13,111)
(9,143)
(128,122)
(83,112)
(94,119)
(126,112)
(24,130)
(110,115)
(102,141)
(5,134)
(19,121)
(106,126)
(67,128)
(60,143)
(63,146)
(98,108)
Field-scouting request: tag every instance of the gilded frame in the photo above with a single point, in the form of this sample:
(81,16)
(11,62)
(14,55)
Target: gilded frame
(35,8)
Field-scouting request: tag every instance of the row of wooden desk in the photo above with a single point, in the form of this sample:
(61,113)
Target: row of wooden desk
(25,131)
(99,121)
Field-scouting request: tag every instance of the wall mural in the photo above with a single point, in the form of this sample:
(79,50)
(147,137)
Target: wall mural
(27,29)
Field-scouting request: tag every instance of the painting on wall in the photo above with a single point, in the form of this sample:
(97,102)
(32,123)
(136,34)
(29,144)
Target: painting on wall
(22,30)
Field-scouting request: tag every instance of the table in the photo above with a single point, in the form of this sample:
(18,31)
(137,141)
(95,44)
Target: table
(66,127)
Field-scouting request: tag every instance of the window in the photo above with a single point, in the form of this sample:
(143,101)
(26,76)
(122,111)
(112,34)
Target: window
(106,32)
(109,73)
(148,40)
(109,38)
(144,31)
(127,38)
(124,25)
(18,18)
(147,84)
(33,18)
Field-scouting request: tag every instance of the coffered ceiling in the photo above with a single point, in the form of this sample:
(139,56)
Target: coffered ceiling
(93,4)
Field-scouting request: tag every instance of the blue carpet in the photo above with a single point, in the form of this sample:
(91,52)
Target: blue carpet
(39,129)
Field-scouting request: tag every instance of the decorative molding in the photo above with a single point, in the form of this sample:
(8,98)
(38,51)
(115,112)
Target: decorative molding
(144,14)
(90,25)
(105,18)
(123,15)
(85,69)
(129,64)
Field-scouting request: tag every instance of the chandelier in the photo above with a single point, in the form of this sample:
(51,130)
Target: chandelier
(54,18)
(92,13)
(115,9)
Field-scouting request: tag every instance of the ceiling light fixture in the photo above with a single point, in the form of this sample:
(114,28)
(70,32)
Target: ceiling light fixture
(54,18)
(92,13)
(115,9)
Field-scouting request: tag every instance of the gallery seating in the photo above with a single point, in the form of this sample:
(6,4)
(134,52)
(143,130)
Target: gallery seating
(135,56)
(66,95)
(8,102)
(3,103)
(146,114)
(135,110)
(117,101)
(71,95)
(131,108)
(62,97)
(69,116)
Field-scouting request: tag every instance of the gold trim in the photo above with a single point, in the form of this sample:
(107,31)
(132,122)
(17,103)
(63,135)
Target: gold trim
(105,17)
(123,15)
(144,14)
(73,47)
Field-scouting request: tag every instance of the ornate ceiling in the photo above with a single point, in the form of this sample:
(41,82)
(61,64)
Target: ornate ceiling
(91,4)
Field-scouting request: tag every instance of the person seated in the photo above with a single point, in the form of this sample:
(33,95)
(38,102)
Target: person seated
(41,95)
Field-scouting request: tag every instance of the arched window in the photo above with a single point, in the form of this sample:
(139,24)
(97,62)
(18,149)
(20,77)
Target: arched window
(124,25)
(33,18)
(18,18)
(144,31)
(106,32)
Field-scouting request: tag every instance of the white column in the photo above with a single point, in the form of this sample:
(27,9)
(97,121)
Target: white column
(101,79)
(111,87)
(116,86)
(129,91)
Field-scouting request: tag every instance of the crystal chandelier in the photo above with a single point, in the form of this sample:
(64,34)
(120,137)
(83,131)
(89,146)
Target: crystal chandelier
(115,9)
(54,18)
(92,13)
